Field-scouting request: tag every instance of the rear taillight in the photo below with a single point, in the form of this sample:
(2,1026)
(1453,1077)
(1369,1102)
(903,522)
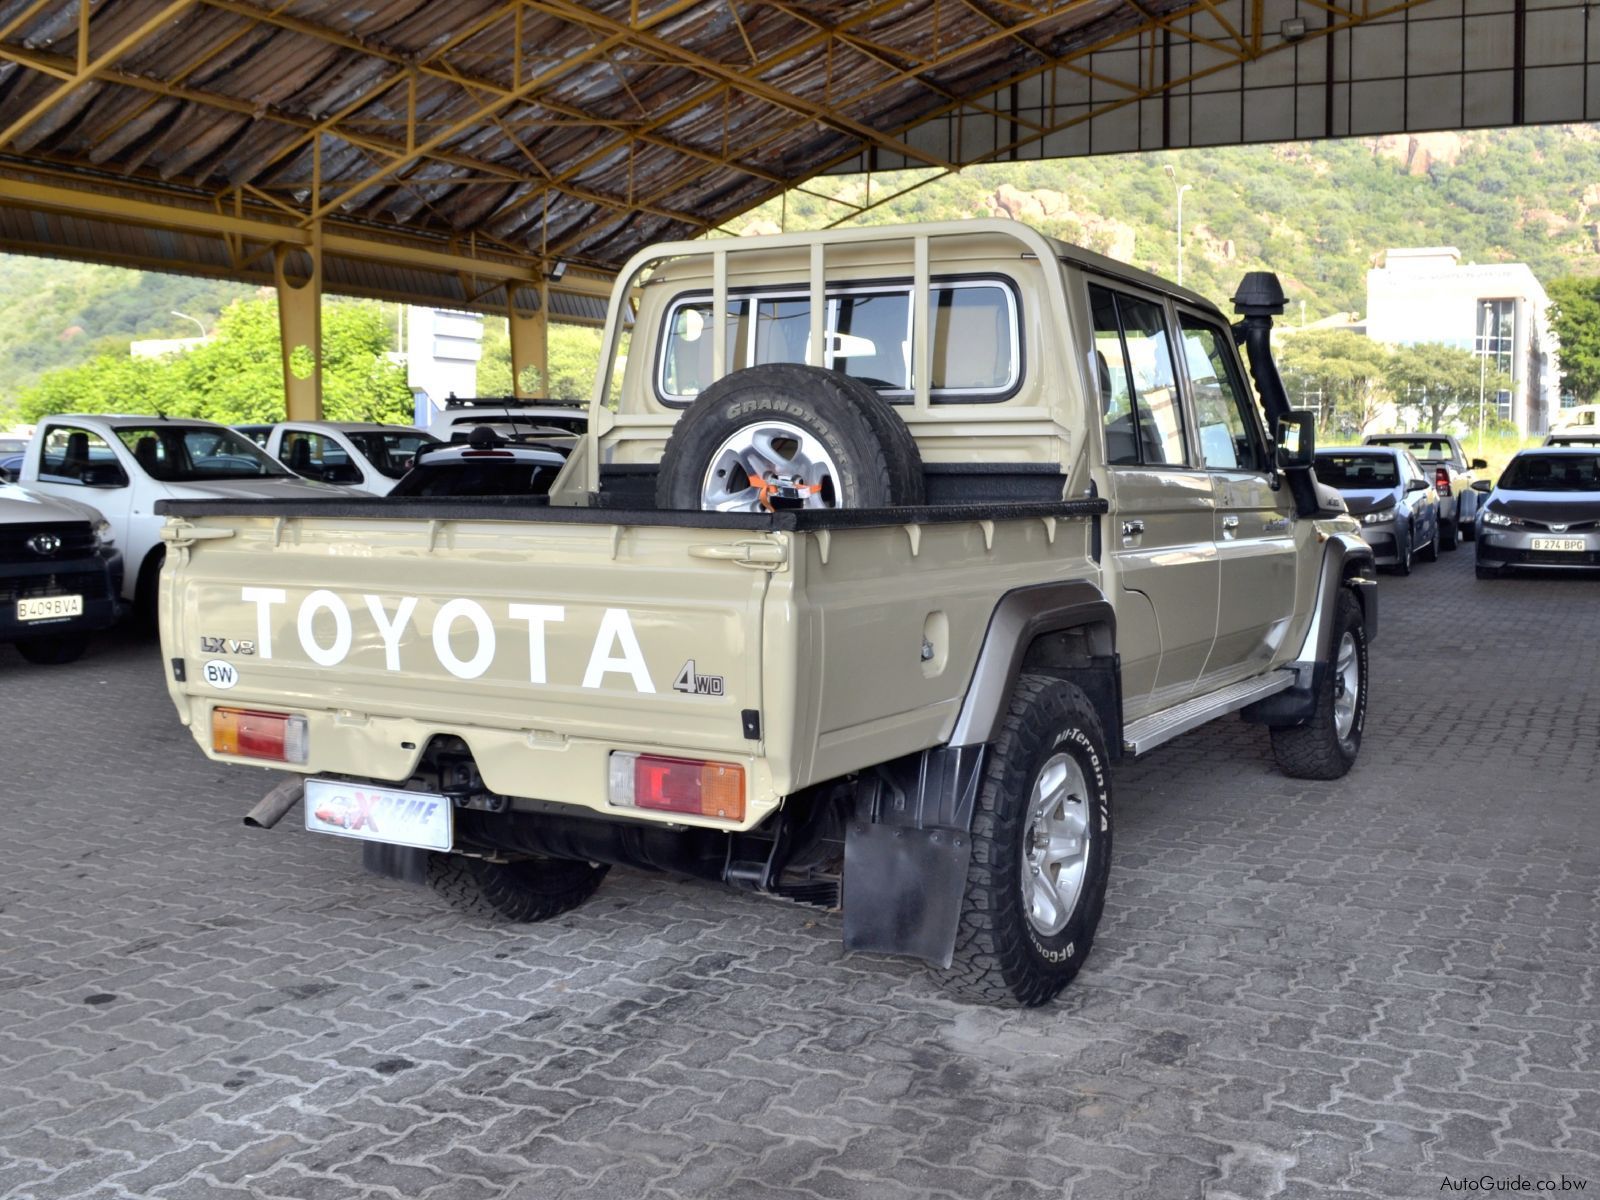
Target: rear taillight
(683,785)
(1441,481)
(279,737)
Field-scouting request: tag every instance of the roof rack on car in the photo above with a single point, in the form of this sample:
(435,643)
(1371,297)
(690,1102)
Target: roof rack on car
(455,401)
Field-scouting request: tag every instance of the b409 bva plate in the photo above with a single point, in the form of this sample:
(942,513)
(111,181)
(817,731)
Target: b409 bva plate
(355,810)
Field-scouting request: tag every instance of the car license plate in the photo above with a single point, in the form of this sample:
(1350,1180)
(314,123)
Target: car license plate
(373,814)
(49,608)
(1576,544)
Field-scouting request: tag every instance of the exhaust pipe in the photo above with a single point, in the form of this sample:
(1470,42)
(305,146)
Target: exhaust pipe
(275,804)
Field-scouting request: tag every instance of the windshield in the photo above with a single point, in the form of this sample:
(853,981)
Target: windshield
(12,445)
(481,477)
(1553,473)
(1421,447)
(197,453)
(1353,471)
(391,453)
(1576,439)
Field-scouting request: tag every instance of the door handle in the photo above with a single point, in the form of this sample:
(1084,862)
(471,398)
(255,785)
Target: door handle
(1230,526)
(1132,529)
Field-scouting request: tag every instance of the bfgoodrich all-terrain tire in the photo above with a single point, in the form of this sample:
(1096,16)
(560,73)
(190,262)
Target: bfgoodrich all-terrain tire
(1041,850)
(785,435)
(1325,747)
(531,890)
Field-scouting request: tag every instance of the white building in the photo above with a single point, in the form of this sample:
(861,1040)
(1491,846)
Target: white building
(442,353)
(1497,310)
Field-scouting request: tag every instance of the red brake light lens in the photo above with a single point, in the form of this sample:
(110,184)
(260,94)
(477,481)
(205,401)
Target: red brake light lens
(247,733)
(684,785)
(1441,479)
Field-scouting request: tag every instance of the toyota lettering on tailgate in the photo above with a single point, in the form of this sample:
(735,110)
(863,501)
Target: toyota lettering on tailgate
(615,649)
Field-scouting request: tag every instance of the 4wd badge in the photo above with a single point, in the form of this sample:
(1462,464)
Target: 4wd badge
(692,684)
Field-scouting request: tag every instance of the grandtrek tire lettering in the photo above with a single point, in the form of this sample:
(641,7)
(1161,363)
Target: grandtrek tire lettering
(452,612)
(330,656)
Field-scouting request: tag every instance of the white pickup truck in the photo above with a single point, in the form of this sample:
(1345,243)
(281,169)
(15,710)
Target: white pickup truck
(122,465)
(368,457)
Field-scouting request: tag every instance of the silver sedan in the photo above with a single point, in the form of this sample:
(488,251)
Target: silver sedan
(1544,512)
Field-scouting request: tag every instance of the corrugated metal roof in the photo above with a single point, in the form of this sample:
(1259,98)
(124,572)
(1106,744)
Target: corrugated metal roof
(535,131)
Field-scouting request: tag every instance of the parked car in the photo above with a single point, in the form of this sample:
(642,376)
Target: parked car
(256,433)
(122,465)
(1452,474)
(485,465)
(1385,489)
(1573,437)
(60,574)
(11,451)
(510,416)
(368,457)
(1543,512)
(843,631)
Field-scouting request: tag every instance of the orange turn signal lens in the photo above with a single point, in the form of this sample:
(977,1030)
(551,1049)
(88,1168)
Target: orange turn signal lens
(683,785)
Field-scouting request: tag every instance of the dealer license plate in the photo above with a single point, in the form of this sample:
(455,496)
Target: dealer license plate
(49,608)
(354,810)
(1576,544)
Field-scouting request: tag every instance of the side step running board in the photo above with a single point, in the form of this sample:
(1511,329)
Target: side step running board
(1149,732)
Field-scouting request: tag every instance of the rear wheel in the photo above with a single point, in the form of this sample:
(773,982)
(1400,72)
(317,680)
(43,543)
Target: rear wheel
(1041,850)
(54,651)
(1325,746)
(530,890)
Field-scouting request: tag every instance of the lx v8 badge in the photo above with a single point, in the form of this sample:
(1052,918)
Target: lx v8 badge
(692,684)
(216,645)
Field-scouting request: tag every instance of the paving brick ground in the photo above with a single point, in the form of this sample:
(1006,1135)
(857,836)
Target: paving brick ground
(1300,990)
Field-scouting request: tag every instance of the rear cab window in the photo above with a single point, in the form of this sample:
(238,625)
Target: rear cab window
(1141,406)
(977,338)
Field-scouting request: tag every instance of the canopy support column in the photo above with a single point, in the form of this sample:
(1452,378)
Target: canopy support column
(298,271)
(527,312)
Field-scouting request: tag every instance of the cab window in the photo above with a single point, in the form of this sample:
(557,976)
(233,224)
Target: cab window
(1139,399)
(80,456)
(316,456)
(1227,432)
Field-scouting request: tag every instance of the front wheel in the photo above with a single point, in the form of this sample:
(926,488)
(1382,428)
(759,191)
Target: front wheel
(1325,746)
(1041,850)
(53,651)
(1404,553)
(1485,572)
(529,890)
(1431,553)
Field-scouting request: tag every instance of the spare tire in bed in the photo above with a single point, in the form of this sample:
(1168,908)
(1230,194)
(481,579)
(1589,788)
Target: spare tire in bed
(784,436)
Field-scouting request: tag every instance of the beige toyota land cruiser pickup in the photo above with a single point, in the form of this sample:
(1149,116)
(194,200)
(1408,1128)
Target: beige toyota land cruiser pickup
(890,544)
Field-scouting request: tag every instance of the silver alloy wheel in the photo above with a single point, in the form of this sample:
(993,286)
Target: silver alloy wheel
(1055,848)
(1346,686)
(766,462)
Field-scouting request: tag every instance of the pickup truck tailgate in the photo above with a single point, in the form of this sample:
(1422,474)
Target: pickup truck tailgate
(470,626)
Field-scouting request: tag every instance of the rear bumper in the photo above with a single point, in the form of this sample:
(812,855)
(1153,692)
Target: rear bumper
(97,579)
(1514,548)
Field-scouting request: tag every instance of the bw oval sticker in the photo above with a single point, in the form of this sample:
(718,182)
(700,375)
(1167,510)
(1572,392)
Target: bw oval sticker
(219,674)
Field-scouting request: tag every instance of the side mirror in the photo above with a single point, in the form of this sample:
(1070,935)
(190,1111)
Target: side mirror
(1417,485)
(1297,439)
(1478,464)
(1482,485)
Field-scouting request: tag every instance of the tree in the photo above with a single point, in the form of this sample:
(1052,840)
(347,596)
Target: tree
(574,360)
(238,377)
(1575,320)
(1442,381)
(1344,368)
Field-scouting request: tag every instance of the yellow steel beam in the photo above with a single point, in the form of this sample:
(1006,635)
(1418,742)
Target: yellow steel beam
(46,197)
(86,69)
